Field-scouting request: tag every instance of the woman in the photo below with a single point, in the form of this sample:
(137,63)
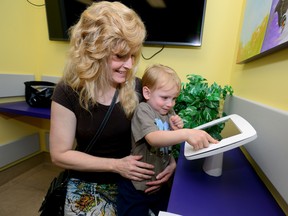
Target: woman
(105,49)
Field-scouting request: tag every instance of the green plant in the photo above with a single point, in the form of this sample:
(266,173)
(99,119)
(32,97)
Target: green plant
(199,103)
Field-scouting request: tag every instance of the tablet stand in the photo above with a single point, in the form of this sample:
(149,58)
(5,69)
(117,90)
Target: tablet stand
(237,133)
(213,165)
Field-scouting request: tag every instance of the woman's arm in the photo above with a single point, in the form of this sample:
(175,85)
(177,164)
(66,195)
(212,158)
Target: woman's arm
(62,136)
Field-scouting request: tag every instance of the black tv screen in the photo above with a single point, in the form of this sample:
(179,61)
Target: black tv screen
(168,22)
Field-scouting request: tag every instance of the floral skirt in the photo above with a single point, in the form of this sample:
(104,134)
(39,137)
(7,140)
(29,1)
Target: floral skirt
(90,199)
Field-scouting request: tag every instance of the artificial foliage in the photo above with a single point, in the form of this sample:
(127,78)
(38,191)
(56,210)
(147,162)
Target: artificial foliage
(199,103)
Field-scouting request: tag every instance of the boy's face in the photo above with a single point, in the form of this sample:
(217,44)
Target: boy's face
(162,99)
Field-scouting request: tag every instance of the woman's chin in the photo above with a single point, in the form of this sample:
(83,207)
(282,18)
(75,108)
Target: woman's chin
(119,80)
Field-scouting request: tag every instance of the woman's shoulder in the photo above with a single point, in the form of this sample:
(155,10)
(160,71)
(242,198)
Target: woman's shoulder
(138,88)
(138,83)
(63,85)
(65,95)
(63,88)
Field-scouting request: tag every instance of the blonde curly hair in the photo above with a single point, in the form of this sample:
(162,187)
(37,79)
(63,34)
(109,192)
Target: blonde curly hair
(104,29)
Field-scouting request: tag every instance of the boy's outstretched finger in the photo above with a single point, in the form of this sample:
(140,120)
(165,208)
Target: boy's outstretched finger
(211,140)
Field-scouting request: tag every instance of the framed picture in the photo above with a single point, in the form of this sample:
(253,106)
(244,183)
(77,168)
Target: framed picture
(264,29)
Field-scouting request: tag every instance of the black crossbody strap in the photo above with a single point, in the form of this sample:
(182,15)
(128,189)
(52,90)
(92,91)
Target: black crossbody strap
(103,123)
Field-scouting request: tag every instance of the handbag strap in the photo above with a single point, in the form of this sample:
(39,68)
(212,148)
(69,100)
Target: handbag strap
(103,123)
(99,131)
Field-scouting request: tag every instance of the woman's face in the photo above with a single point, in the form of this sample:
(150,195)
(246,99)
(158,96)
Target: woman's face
(120,67)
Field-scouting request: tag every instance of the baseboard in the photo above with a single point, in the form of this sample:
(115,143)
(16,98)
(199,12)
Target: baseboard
(12,85)
(19,168)
(277,196)
(19,149)
(269,150)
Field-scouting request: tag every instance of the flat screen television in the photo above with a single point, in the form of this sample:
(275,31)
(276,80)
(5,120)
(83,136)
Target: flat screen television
(168,22)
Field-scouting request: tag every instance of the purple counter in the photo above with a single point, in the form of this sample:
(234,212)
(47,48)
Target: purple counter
(239,191)
(22,108)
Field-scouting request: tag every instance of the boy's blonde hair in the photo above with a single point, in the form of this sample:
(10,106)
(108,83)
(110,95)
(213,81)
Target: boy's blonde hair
(158,76)
(104,29)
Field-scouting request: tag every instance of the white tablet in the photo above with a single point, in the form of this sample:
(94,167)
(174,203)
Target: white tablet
(237,131)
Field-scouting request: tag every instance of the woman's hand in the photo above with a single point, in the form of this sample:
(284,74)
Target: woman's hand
(162,177)
(130,167)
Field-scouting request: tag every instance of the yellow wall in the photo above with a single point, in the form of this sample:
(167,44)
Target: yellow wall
(25,48)
(264,80)
(30,51)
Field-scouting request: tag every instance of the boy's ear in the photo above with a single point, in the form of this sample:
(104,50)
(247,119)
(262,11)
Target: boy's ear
(146,92)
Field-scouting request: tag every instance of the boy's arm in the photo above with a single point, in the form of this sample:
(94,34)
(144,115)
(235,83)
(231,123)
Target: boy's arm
(166,138)
(197,138)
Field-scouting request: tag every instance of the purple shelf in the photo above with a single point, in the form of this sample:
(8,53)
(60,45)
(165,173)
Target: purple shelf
(22,108)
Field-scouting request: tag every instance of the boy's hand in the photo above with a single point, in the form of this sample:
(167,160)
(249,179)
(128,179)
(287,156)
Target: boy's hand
(176,122)
(199,139)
